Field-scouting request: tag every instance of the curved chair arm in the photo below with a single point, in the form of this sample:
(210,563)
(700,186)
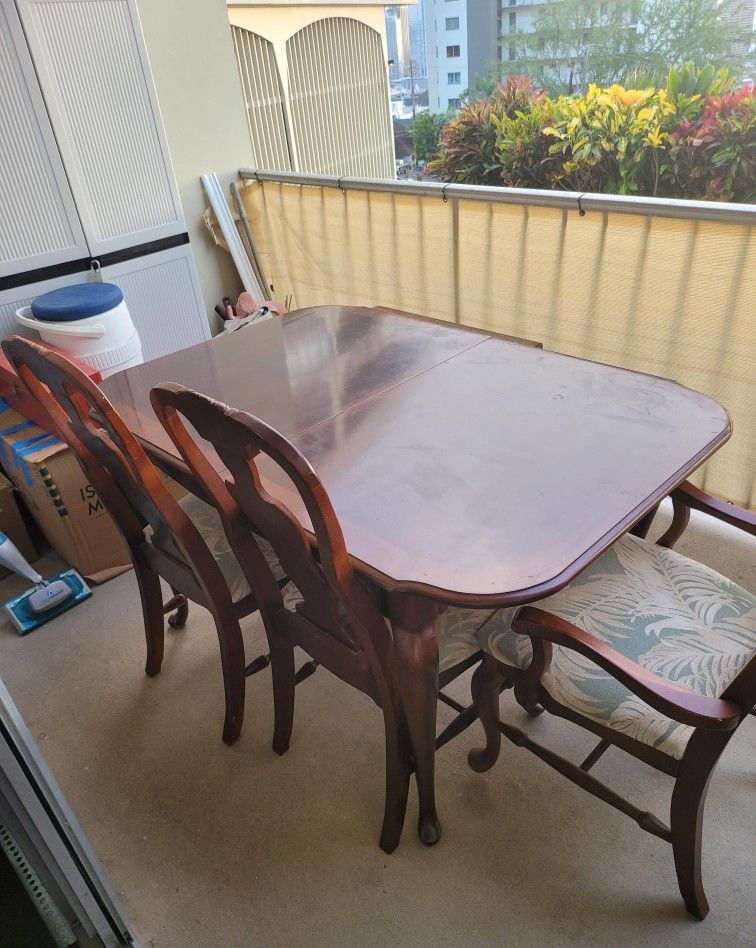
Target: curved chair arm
(665,697)
(687,495)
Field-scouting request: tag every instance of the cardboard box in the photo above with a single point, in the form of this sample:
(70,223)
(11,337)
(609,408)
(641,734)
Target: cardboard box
(61,500)
(12,524)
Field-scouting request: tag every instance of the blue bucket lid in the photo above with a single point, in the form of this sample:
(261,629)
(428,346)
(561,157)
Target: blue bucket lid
(80,301)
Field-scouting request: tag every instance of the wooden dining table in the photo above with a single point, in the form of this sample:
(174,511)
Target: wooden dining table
(465,468)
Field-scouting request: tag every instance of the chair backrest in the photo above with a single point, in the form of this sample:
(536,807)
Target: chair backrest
(124,477)
(334,599)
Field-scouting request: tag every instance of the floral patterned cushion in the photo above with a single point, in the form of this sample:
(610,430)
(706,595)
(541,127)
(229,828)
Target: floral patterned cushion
(205,518)
(673,616)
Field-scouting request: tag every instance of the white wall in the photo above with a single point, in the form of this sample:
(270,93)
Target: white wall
(199,92)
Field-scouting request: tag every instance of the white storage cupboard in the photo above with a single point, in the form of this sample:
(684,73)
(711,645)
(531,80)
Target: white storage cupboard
(85,171)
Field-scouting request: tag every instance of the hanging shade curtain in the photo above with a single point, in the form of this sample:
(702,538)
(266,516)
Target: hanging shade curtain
(670,296)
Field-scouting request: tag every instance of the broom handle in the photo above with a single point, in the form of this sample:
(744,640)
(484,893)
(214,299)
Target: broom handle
(13,560)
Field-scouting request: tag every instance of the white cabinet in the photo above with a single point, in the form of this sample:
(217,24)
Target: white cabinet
(94,74)
(85,170)
(162,290)
(39,226)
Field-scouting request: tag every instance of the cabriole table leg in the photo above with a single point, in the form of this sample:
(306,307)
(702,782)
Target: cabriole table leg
(413,621)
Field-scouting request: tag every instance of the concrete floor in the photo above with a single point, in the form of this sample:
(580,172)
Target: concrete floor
(214,846)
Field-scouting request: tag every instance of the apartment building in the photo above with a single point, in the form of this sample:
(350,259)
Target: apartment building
(516,17)
(462,39)
(742,13)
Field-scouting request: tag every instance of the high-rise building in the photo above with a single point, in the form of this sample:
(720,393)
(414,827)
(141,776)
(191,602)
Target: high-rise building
(398,42)
(461,41)
(405,41)
(417,38)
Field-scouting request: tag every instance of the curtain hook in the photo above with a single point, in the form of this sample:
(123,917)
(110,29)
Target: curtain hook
(581,209)
(443,194)
(339,186)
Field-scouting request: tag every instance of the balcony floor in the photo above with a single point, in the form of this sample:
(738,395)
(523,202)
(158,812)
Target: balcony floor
(214,846)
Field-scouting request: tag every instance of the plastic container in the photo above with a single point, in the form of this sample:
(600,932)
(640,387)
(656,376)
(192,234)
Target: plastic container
(89,321)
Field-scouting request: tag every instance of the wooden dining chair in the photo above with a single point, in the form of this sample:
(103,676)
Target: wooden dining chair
(328,609)
(181,541)
(651,651)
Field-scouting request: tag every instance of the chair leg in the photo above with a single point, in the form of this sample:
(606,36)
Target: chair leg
(152,610)
(398,771)
(234,680)
(486,687)
(686,816)
(284,687)
(532,707)
(178,619)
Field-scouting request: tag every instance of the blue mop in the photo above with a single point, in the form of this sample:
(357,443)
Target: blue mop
(49,597)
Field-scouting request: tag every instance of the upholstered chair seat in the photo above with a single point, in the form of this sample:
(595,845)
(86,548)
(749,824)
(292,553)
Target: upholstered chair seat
(671,615)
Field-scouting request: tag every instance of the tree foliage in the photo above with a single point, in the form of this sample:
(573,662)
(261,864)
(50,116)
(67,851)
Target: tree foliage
(426,131)
(577,42)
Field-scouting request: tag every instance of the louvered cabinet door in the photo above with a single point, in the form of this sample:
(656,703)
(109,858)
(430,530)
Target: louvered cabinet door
(164,298)
(39,226)
(94,73)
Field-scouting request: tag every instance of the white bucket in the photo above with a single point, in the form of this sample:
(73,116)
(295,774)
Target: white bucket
(108,342)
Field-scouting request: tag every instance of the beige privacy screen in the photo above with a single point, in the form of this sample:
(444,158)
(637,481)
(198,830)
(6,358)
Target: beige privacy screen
(670,296)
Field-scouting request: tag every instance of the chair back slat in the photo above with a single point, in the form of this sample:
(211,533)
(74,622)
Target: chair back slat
(334,600)
(116,464)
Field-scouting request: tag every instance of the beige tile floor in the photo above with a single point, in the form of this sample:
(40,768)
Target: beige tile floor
(215,846)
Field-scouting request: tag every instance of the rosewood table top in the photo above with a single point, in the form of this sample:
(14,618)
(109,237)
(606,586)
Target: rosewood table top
(462,466)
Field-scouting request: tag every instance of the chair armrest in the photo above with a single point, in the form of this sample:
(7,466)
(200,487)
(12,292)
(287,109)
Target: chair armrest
(695,499)
(669,699)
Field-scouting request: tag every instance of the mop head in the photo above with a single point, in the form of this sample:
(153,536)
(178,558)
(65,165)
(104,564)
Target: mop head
(33,608)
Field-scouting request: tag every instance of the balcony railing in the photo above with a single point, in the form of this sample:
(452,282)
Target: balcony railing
(660,286)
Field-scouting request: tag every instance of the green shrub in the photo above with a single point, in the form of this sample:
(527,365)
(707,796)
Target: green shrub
(468,152)
(523,148)
(694,138)
(713,157)
(610,140)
